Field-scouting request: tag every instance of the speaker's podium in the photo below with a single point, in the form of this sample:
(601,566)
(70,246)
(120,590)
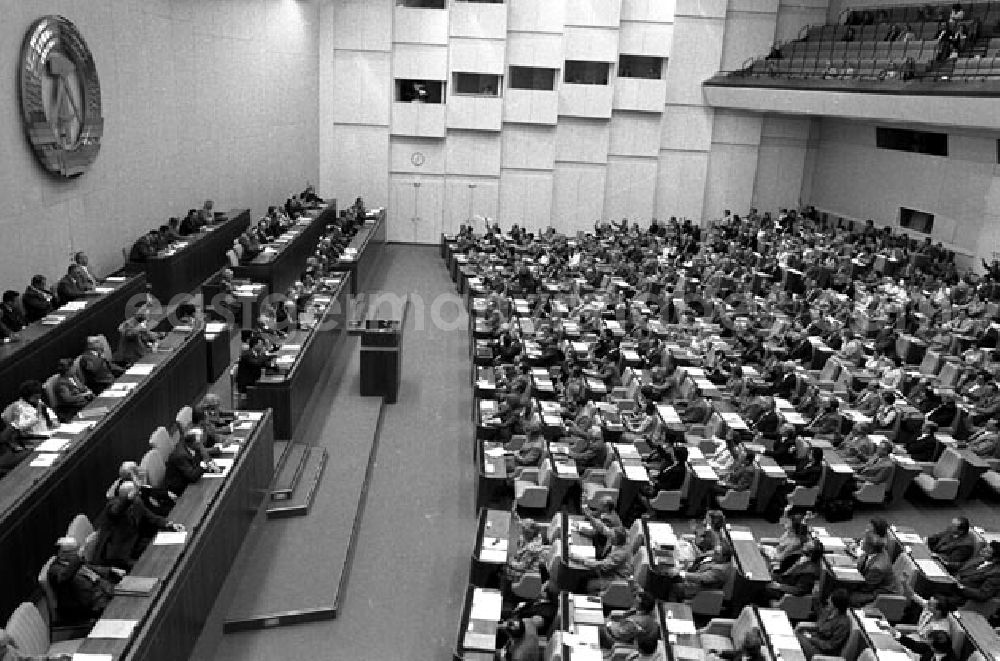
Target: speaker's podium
(381,343)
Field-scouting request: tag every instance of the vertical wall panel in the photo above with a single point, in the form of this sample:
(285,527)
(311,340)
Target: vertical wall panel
(526,198)
(577,196)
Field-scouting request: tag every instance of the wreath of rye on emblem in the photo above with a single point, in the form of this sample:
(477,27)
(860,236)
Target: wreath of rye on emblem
(60,97)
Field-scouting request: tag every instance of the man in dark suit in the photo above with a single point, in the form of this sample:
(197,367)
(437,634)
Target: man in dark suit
(925,446)
(136,340)
(37,300)
(69,395)
(143,248)
(955,545)
(98,371)
(707,573)
(800,578)
(979,578)
(875,567)
(252,363)
(68,288)
(808,473)
(11,315)
(82,590)
(832,628)
(878,469)
(184,465)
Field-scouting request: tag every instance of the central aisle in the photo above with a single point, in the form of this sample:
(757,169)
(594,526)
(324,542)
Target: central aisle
(412,559)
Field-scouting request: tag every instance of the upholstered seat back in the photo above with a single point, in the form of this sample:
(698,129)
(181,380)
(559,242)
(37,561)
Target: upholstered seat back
(28,630)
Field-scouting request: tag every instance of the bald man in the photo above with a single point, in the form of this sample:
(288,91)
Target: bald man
(82,590)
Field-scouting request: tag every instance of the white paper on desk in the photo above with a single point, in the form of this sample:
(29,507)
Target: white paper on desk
(225,464)
(494,452)
(744,535)
(44,460)
(52,445)
(249,415)
(931,569)
(73,306)
(215,327)
(231,448)
(892,655)
(112,629)
(688,653)
(140,369)
(292,347)
(566,469)
(587,636)
(785,642)
(479,641)
(115,278)
(636,473)
(170,538)
(486,605)
(870,624)
(909,538)
(104,290)
(84,656)
(680,626)
(585,551)
(114,394)
(585,601)
(776,623)
(75,427)
(493,555)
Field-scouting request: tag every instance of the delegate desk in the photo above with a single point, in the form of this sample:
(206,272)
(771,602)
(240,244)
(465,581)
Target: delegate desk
(778,635)
(576,635)
(753,572)
(496,536)
(217,512)
(928,576)
(492,471)
(37,502)
(181,270)
(876,634)
(302,362)
(280,264)
(477,629)
(364,252)
(42,344)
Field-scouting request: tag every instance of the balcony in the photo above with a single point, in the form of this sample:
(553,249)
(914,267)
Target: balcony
(585,100)
(642,94)
(531,106)
(475,112)
(422,120)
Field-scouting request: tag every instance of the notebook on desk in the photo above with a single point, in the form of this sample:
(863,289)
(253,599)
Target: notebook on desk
(136,586)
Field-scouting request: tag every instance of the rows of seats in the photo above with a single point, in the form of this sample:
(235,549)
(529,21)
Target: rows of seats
(874,34)
(980,68)
(921,51)
(836,69)
(983,11)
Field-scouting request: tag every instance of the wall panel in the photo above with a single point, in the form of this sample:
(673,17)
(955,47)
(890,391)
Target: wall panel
(526,198)
(577,196)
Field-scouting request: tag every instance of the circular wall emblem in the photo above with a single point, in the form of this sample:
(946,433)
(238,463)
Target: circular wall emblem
(60,96)
(417,158)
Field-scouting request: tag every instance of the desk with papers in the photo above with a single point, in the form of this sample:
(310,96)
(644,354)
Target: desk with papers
(477,630)
(40,496)
(180,269)
(363,254)
(302,361)
(36,354)
(281,263)
(191,566)
(496,537)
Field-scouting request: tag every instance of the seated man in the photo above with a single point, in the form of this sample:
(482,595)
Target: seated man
(528,555)
(707,573)
(808,473)
(828,422)
(531,451)
(741,477)
(801,577)
(29,415)
(614,566)
(70,395)
(98,371)
(84,278)
(954,546)
(671,477)
(590,452)
(925,446)
(832,628)
(876,568)
(184,465)
(11,314)
(628,627)
(82,590)
(136,339)
(144,247)
(125,526)
(545,607)
(37,301)
(68,287)
(522,640)
(979,578)
(252,363)
(878,469)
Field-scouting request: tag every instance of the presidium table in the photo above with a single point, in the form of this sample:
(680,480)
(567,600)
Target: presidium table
(279,265)
(181,270)
(303,358)
(70,472)
(63,333)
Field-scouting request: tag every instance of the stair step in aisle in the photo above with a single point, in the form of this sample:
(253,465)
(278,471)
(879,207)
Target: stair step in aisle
(297,495)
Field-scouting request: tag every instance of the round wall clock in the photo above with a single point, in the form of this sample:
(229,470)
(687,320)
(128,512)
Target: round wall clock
(417,158)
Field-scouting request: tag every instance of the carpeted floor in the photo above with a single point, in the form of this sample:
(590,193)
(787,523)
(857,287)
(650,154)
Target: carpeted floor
(411,564)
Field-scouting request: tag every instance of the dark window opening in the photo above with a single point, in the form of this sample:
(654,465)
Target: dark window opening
(421,4)
(918,221)
(918,142)
(579,72)
(640,66)
(477,84)
(419,91)
(532,78)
